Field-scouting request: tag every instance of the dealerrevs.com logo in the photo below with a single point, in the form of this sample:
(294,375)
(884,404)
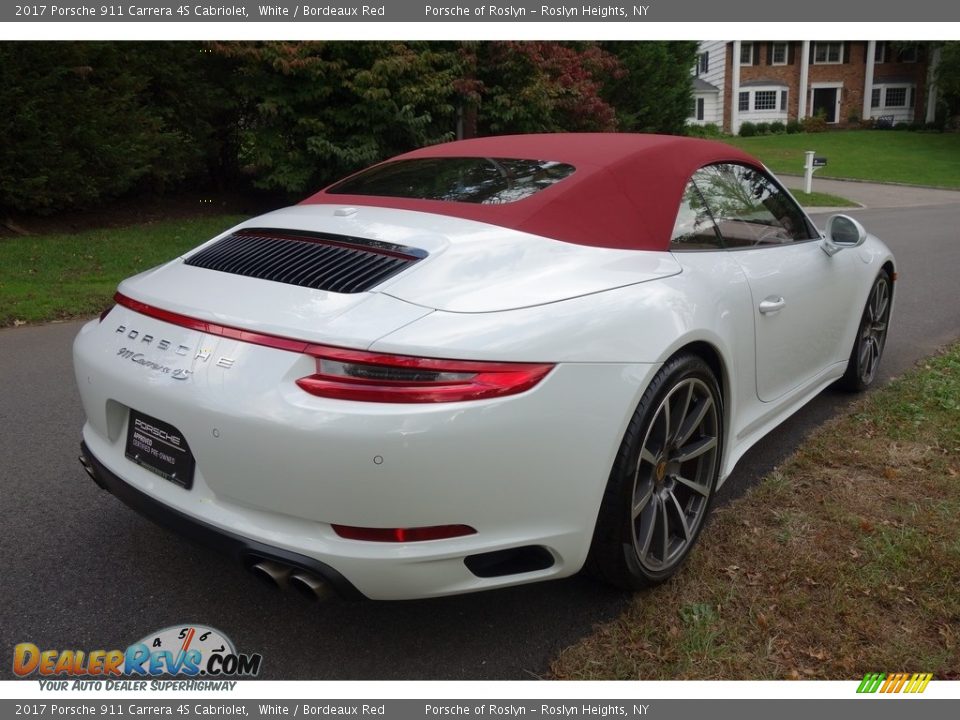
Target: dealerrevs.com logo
(189,650)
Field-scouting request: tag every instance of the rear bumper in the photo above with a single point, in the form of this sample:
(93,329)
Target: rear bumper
(276,468)
(244,550)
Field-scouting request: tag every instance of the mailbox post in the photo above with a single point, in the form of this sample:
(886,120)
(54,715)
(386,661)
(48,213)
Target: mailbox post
(810,165)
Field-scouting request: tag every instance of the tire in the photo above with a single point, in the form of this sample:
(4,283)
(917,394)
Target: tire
(871,337)
(659,493)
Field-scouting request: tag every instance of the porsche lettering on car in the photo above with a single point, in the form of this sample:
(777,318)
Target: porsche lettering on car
(479,364)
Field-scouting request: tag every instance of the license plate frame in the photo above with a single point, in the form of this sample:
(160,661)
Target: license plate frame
(159,447)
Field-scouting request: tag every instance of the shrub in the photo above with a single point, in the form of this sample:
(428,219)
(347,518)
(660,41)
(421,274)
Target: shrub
(814,124)
(763,128)
(933,127)
(748,129)
(777,128)
(710,130)
(901,126)
(793,127)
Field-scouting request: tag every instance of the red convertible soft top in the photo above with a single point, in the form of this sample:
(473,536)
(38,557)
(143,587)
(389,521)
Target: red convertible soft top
(625,192)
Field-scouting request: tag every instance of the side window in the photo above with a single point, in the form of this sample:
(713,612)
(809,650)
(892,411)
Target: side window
(748,207)
(694,228)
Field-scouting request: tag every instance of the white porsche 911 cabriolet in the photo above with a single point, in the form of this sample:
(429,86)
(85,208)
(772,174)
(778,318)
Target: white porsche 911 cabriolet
(479,364)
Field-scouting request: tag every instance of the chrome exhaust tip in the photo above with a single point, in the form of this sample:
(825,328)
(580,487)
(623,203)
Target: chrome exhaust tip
(310,586)
(88,467)
(273,574)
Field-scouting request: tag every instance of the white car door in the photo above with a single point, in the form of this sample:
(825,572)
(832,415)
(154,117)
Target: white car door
(801,301)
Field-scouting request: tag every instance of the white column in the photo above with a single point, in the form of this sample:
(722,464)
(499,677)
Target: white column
(932,86)
(735,89)
(868,80)
(804,80)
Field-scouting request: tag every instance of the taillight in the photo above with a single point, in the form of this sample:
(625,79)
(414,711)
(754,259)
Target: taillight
(403,535)
(380,377)
(371,376)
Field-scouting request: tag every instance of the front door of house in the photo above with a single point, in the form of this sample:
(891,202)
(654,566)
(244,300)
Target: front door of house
(826,100)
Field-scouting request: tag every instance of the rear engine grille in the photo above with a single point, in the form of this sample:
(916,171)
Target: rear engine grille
(323,262)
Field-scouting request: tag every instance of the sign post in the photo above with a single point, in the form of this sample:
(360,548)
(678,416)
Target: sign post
(811,164)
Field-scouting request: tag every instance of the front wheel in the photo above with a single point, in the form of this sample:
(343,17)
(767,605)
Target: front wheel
(871,337)
(662,482)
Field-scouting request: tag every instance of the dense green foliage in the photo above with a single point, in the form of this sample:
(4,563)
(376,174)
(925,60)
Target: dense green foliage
(653,92)
(88,121)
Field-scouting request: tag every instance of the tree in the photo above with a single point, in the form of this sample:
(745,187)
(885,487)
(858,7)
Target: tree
(655,91)
(86,121)
(948,77)
(316,111)
(524,87)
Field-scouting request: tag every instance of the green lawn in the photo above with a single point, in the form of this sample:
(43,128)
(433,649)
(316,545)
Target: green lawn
(915,158)
(843,560)
(50,277)
(819,199)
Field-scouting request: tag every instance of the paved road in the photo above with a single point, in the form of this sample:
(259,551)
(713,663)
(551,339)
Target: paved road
(80,570)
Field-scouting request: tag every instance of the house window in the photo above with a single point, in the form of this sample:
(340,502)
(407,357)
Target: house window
(703,63)
(892,97)
(779,54)
(765,100)
(783,100)
(896,97)
(746,53)
(827,53)
(908,54)
(880,53)
(744,102)
(700,105)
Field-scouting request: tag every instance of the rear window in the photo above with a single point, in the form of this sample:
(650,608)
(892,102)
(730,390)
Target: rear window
(484,181)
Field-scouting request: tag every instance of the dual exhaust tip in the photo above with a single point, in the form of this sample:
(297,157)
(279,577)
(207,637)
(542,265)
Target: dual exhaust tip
(287,577)
(275,574)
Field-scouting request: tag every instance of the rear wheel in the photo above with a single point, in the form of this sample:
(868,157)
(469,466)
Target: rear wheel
(661,486)
(871,337)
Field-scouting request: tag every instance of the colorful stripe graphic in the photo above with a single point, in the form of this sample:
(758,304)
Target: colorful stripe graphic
(894,683)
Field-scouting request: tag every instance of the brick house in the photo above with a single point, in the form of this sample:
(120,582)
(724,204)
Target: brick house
(844,81)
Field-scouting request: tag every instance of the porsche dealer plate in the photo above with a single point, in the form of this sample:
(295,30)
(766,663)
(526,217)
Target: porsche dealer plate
(160,448)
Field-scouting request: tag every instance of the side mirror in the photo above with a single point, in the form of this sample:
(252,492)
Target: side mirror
(842,232)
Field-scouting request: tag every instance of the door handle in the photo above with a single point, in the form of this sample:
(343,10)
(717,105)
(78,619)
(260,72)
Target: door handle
(772,304)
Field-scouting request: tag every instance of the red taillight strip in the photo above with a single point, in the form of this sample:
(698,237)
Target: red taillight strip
(491,379)
(256,338)
(403,535)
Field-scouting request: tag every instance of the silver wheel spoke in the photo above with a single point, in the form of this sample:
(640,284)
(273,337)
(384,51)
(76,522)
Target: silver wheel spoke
(647,456)
(695,449)
(682,415)
(864,352)
(648,525)
(665,525)
(641,500)
(682,516)
(693,421)
(666,422)
(881,308)
(695,486)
